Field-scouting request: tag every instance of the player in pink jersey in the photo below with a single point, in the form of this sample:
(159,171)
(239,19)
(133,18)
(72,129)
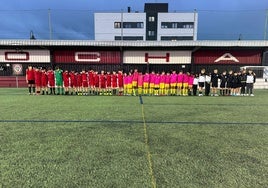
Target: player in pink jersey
(173,83)
(129,84)
(146,81)
(157,84)
(125,81)
(185,84)
(140,83)
(135,81)
(180,82)
(151,83)
(162,83)
(167,84)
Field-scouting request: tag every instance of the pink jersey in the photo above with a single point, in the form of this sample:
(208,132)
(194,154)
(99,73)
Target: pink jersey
(162,78)
(125,80)
(140,80)
(146,78)
(173,78)
(152,78)
(190,80)
(135,76)
(157,80)
(180,78)
(167,81)
(130,79)
(185,78)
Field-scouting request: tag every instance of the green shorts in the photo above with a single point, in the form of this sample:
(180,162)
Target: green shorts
(59,83)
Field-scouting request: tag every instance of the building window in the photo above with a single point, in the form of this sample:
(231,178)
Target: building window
(177,25)
(151,33)
(140,25)
(176,38)
(174,25)
(128,38)
(117,24)
(128,25)
(151,19)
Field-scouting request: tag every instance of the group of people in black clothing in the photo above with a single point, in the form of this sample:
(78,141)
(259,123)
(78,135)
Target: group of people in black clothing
(230,83)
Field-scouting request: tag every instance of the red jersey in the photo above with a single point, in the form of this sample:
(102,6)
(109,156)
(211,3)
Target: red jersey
(73,79)
(30,74)
(38,77)
(51,78)
(84,77)
(44,79)
(91,78)
(120,79)
(109,80)
(65,76)
(114,80)
(102,81)
(79,80)
(96,80)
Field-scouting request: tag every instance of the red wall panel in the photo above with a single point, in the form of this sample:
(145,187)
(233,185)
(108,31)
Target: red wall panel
(245,57)
(88,57)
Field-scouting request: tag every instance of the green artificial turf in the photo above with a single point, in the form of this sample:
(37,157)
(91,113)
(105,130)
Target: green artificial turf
(98,141)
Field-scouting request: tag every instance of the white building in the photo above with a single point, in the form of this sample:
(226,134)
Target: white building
(154,24)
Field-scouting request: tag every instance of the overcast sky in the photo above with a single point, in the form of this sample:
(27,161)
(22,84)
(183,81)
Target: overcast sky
(73,19)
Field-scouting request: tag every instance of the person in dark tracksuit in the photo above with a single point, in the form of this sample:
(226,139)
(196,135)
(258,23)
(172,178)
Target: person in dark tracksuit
(229,82)
(207,84)
(243,80)
(223,81)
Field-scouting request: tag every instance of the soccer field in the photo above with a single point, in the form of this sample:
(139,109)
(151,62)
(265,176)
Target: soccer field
(115,141)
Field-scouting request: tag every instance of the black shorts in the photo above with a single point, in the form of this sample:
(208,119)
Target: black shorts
(229,85)
(223,85)
(201,84)
(31,82)
(214,84)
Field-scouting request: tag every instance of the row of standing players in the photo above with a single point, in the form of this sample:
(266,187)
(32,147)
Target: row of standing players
(135,83)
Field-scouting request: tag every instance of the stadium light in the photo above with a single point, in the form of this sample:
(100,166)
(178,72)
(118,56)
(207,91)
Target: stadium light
(32,37)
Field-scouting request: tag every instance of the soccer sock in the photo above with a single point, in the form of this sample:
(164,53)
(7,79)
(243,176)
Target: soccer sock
(33,89)
(30,89)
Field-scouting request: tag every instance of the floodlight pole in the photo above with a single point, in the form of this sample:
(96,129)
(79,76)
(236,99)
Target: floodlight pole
(49,24)
(265,25)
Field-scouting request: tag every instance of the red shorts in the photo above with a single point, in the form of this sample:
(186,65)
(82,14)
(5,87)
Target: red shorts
(37,83)
(44,83)
(51,83)
(85,84)
(66,83)
(103,85)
